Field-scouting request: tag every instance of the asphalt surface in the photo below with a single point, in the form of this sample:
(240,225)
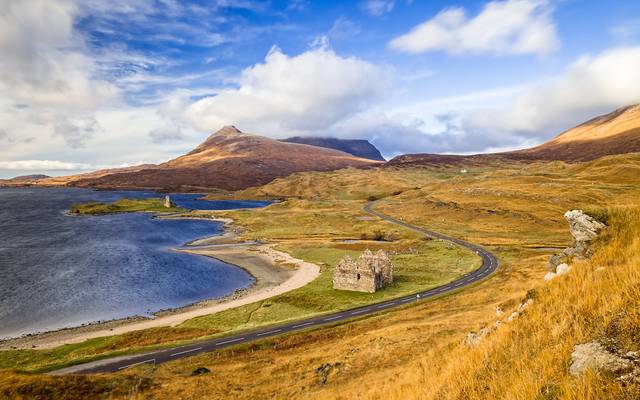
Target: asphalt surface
(489,265)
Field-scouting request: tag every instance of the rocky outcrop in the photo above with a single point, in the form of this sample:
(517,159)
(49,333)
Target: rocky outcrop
(474,338)
(598,358)
(560,270)
(584,230)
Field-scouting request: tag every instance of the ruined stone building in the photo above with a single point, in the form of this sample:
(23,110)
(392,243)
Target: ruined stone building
(167,202)
(368,273)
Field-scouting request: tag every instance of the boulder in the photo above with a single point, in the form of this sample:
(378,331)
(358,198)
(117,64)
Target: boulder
(550,275)
(594,356)
(556,260)
(584,230)
(562,269)
(583,227)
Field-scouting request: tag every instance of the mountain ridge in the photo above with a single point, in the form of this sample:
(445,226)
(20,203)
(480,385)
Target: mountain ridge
(357,147)
(617,132)
(228,159)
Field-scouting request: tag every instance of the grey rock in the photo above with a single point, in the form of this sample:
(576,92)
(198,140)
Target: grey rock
(583,227)
(556,260)
(594,356)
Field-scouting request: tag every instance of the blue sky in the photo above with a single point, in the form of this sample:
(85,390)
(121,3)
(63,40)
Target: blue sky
(91,84)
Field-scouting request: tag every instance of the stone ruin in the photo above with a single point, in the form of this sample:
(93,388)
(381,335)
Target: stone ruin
(368,273)
(167,202)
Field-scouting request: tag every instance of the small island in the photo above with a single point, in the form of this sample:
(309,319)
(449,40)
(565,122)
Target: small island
(125,206)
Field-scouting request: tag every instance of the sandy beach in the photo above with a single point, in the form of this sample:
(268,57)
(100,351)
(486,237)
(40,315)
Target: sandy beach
(275,273)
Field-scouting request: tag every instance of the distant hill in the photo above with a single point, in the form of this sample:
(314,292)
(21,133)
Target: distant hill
(23,180)
(29,177)
(357,147)
(228,159)
(615,133)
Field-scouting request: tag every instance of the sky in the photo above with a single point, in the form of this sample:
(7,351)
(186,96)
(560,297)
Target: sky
(89,84)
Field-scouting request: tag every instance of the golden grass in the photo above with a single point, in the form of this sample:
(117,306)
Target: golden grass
(529,358)
(514,209)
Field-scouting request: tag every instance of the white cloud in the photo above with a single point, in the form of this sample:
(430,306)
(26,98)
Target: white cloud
(377,7)
(309,92)
(502,27)
(44,165)
(43,63)
(590,86)
(511,118)
(166,134)
(76,131)
(343,28)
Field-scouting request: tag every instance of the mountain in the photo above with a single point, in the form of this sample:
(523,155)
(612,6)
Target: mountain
(230,160)
(357,147)
(615,133)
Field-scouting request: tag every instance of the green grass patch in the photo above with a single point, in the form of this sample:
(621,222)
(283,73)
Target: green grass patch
(419,265)
(123,206)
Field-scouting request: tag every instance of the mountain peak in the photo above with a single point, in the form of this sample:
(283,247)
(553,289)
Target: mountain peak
(228,130)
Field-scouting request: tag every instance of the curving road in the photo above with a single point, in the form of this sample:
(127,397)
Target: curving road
(489,265)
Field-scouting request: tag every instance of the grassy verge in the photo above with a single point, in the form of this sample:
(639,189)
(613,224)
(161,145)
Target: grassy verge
(123,206)
(419,265)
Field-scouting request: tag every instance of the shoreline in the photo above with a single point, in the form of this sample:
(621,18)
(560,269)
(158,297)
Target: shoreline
(274,272)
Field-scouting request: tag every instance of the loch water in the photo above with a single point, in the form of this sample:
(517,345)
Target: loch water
(60,271)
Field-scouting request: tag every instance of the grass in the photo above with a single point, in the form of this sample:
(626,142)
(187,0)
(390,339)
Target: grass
(418,266)
(529,359)
(123,206)
(415,352)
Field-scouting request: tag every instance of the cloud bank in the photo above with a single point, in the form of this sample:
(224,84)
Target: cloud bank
(307,93)
(503,27)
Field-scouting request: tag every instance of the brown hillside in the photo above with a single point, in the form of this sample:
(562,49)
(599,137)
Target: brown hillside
(614,133)
(229,160)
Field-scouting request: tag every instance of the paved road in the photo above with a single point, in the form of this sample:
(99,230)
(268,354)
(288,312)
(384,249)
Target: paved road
(489,265)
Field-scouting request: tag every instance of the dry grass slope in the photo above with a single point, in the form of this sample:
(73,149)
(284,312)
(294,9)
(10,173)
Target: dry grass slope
(514,209)
(529,359)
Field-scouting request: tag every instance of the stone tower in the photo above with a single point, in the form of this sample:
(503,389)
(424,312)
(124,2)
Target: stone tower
(167,202)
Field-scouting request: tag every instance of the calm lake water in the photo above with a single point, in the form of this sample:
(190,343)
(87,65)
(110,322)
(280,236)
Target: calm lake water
(60,271)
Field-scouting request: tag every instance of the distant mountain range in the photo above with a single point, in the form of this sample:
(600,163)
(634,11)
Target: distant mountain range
(232,160)
(357,147)
(229,160)
(615,133)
